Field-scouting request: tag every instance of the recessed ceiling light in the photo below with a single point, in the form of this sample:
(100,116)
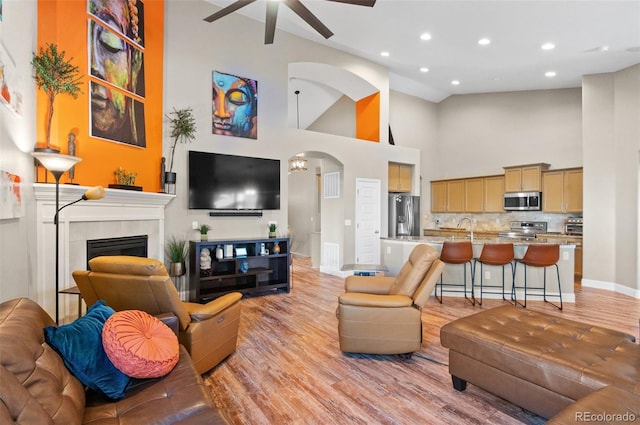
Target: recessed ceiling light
(424,69)
(548,46)
(425,36)
(455,82)
(550,74)
(385,54)
(484,42)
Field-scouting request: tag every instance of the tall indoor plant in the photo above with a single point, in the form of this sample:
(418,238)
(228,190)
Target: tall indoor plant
(183,129)
(54,75)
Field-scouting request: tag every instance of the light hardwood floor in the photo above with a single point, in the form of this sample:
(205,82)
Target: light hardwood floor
(288,368)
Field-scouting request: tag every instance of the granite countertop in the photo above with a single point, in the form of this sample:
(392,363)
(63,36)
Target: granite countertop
(481,241)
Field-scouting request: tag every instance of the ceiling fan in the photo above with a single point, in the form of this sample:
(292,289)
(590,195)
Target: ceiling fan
(272,13)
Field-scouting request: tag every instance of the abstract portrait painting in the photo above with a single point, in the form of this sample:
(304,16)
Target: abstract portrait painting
(116,63)
(235,106)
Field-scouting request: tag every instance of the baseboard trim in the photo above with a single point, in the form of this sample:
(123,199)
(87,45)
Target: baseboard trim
(611,286)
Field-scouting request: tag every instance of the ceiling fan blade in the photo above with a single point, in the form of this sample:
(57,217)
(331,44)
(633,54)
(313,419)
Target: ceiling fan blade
(270,21)
(308,17)
(229,9)
(369,3)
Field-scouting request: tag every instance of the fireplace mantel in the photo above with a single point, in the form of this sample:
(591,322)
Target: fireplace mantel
(69,193)
(120,213)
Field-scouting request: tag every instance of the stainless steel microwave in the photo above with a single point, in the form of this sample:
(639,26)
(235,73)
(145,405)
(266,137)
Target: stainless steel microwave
(523,201)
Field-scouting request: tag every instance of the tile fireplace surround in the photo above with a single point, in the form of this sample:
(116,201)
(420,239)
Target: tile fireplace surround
(120,213)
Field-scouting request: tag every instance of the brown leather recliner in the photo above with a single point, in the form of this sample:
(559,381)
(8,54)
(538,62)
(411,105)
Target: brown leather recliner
(382,314)
(208,331)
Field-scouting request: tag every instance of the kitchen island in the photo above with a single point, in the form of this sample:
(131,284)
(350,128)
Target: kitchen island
(395,252)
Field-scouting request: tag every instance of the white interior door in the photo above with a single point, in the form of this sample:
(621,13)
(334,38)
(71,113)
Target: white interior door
(367,221)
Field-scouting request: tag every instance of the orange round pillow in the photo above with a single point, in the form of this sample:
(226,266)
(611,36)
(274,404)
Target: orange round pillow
(139,345)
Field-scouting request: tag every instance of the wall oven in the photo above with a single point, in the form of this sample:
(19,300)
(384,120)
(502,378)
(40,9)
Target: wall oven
(523,201)
(573,226)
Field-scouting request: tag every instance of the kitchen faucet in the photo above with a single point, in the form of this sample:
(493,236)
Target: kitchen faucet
(470,225)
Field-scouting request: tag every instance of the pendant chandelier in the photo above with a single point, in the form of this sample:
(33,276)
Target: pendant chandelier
(297,163)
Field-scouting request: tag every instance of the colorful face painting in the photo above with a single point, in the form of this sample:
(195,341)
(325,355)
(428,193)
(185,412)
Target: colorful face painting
(117,71)
(235,106)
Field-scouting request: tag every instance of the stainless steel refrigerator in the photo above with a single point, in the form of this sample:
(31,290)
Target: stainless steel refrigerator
(404,215)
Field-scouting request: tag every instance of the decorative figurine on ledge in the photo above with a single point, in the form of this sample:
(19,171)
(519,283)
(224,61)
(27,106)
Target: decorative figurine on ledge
(205,262)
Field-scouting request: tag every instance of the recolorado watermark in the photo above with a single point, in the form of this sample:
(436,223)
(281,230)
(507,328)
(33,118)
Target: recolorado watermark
(606,417)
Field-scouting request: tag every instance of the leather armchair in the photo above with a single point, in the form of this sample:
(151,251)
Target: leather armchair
(208,331)
(382,314)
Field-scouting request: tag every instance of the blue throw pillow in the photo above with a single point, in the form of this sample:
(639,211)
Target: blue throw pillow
(80,345)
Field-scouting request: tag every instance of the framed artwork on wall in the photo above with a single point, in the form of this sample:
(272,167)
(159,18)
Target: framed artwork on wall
(235,106)
(10,196)
(115,44)
(10,96)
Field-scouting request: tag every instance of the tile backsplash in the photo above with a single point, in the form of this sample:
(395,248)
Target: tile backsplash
(495,221)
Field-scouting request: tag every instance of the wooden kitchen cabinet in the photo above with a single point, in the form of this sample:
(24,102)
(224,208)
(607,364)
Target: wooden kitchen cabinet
(494,194)
(573,191)
(474,195)
(455,196)
(400,176)
(439,196)
(562,191)
(524,178)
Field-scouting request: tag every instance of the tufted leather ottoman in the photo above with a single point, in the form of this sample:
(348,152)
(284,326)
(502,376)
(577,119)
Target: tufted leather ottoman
(608,405)
(540,362)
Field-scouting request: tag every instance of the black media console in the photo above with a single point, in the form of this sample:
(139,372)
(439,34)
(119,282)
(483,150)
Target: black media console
(250,266)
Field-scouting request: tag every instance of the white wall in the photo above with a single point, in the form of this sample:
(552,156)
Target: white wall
(17,136)
(194,48)
(481,133)
(339,119)
(611,108)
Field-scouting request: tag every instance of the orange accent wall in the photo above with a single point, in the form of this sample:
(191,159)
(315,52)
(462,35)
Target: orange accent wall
(368,118)
(65,23)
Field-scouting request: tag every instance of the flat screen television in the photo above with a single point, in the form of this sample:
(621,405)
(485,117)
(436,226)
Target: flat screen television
(230,182)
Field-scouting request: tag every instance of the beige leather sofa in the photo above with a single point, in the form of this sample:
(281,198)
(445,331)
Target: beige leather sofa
(36,388)
(382,314)
(208,331)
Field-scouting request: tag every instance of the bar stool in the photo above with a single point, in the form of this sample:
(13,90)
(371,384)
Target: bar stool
(539,255)
(494,254)
(457,253)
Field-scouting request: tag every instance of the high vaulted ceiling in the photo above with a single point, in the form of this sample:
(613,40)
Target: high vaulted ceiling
(590,37)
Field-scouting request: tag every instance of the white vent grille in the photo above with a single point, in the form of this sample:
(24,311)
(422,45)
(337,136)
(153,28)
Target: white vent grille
(331,255)
(331,185)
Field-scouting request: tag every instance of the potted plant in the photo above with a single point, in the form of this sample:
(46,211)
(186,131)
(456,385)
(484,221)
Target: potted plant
(177,251)
(183,129)
(204,230)
(54,75)
(125,180)
(272,230)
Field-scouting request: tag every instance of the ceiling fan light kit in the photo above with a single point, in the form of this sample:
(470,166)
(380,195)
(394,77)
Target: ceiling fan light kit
(295,5)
